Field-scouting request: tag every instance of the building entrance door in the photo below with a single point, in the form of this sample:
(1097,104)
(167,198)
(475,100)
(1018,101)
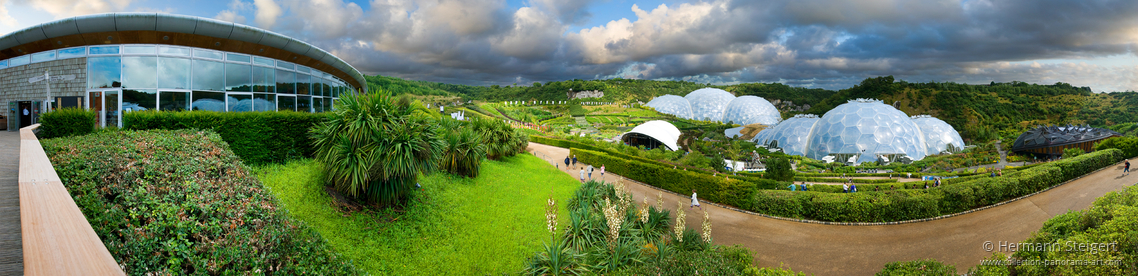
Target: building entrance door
(25,113)
(107,104)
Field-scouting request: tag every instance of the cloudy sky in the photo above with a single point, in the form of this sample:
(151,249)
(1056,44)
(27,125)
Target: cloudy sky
(813,43)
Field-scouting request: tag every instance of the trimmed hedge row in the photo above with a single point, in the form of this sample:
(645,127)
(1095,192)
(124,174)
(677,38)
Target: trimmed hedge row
(616,153)
(67,122)
(843,180)
(256,137)
(908,204)
(737,192)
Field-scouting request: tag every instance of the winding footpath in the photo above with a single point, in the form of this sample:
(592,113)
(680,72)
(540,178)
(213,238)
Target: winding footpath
(821,249)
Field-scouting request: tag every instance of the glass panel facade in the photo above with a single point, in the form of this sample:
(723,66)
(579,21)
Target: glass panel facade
(317,86)
(139,72)
(263,61)
(44,56)
(240,102)
(139,99)
(286,103)
(173,51)
(174,101)
(139,50)
(317,104)
(286,82)
(104,72)
(327,104)
(21,60)
(285,65)
(264,79)
(304,103)
(238,77)
(208,75)
(103,50)
(303,85)
(211,101)
(174,73)
(72,52)
(207,54)
(237,57)
(264,102)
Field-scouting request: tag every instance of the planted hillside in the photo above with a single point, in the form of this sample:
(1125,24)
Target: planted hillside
(180,202)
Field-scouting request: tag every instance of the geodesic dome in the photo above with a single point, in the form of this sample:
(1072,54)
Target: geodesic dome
(747,110)
(671,104)
(867,128)
(938,134)
(709,103)
(653,134)
(792,133)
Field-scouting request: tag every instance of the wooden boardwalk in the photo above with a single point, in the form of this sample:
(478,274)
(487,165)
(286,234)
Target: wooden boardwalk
(57,239)
(11,251)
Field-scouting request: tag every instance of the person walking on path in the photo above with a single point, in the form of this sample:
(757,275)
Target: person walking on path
(574,161)
(589,169)
(1126,169)
(694,201)
(566,162)
(602,170)
(582,175)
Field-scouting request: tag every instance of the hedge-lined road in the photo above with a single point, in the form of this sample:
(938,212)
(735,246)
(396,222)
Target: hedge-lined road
(864,250)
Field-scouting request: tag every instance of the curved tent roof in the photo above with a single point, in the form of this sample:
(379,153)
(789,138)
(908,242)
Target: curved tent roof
(661,131)
(1050,136)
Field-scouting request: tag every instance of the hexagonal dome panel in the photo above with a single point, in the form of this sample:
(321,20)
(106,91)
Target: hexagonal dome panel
(671,104)
(709,103)
(791,134)
(747,110)
(868,128)
(938,134)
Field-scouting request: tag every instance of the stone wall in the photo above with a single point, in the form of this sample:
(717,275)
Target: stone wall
(14,85)
(584,94)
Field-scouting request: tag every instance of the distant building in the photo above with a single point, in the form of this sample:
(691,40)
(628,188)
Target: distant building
(1050,141)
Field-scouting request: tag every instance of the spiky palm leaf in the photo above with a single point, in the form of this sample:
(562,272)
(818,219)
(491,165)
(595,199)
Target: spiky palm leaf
(374,147)
(463,152)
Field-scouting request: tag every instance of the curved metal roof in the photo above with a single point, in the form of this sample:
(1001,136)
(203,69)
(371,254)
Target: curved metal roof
(160,28)
(1050,136)
(662,131)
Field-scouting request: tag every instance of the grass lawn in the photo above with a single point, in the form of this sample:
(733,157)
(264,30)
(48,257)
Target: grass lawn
(454,226)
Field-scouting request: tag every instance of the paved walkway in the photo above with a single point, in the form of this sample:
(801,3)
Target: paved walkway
(11,247)
(864,250)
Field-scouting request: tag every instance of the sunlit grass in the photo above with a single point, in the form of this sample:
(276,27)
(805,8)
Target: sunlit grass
(454,226)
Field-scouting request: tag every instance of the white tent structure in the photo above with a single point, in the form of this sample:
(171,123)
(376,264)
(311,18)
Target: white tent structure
(653,134)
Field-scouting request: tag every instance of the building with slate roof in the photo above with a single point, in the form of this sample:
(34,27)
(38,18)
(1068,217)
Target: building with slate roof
(1050,141)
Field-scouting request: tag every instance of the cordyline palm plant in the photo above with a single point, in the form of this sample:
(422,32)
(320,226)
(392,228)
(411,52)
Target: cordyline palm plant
(500,138)
(375,146)
(464,150)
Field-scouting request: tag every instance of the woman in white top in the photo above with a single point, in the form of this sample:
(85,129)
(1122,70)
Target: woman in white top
(582,174)
(694,201)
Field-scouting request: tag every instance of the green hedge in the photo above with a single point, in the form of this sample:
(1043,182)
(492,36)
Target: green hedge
(827,203)
(1128,145)
(736,192)
(256,137)
(843,180)
(67,122)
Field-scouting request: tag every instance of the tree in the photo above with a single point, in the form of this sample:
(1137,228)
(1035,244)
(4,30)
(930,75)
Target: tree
(778,168)
(375,146)
(464,149)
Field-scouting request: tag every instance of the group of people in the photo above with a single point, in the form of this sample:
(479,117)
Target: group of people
(571,163)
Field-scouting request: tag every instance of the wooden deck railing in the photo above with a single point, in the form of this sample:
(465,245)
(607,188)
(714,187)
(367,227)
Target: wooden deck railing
(56,236)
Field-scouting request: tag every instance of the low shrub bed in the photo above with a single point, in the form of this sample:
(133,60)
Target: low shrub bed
(754,177)
(256,137)
(734,191)
(826,203)
(180,202)
(67,122)
(843,180)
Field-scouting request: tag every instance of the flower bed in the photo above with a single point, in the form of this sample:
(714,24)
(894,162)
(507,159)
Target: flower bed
(180,202)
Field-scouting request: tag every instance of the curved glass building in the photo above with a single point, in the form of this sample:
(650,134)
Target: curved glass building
(708,104)
(938,134)
(868,129)
(747,110)
(671,104)
(122,62)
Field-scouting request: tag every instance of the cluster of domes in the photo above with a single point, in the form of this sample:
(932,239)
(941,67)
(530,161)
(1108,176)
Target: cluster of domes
(866,128)
(713,104)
